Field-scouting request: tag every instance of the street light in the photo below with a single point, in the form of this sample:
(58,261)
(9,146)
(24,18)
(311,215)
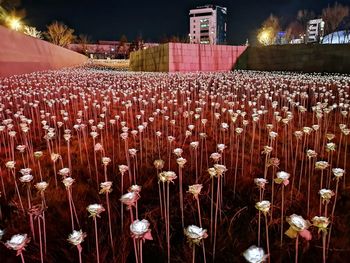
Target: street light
(14,23)
(264,37)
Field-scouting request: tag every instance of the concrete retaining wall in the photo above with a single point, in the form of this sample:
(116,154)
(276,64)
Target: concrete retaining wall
(21,54)
(301,58)
(155,59)
(178,57)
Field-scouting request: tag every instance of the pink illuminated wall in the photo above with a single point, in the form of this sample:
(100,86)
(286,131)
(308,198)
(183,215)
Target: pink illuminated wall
(21,54)
(195,57)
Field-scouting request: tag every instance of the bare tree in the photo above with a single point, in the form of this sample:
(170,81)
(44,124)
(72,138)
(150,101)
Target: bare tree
(83,40)
(60,34)
(333,16)
(294,30)
(33,32)
(122,47)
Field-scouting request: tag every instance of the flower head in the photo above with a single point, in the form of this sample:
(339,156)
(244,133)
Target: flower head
(77,237)
(106,160)
(41,186)
(326,195)
(129,199)
(195,189)
(123,168)
(26,178)
(140,229)
(298,225)
(64,172)
(18,242)
(260,182)
(267,150)
(10,164)
(135,188)
(321,165)
(215,156)
(321,222)
(263,206)
(282,177)
(195,234)
(167,176)
(255,254)
(106,187)
(338,172)
(68,181)
(181,162)
(158,164)
(178,152)
(95,210)
(220,169)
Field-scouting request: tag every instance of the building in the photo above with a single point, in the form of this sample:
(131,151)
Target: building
(315,30)
(208,25)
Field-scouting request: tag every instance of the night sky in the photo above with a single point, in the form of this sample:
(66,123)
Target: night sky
(109,19)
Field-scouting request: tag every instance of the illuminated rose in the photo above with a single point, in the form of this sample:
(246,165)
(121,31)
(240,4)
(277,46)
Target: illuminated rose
(140,229)
(41,186)
(321,222)
(106,160)
(212,172)
(95,210)
(158,164)
(330,147)
(132,152)
(220,169)
(135,188)
(282,177)
(298,225)
(106,187)
(194,145)
(68,181)
(181,162)
(260,182)
(38,154)
(195,234)
(338,172)
(18,242)
(130,198)
(267,150)
(263,206)
(326,195)
(55,157)
(167,176)
(123,169)
(311,154)
(64,172)
(195,189)
(10,164)
(25,171)
(215,156)
(221,147)
(26,178)
(178,152)
(76,238)
(255,255)
(321,165)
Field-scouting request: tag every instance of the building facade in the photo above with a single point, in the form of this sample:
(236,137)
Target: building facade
(208,25)
(315,30)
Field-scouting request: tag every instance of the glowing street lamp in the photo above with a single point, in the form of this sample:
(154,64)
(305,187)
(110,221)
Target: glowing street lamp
(15,23)
(264,37)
